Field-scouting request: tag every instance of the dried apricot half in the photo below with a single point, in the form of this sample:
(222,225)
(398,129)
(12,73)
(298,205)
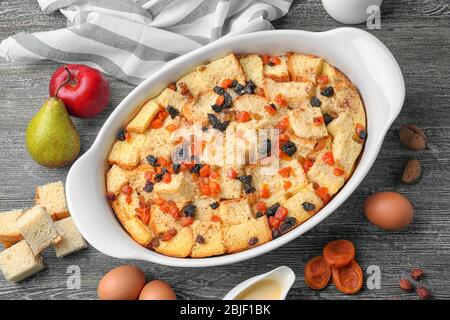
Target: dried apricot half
(339,253)
(348,279)
(317,273)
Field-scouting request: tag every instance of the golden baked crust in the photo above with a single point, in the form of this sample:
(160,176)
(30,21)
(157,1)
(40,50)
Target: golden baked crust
(191,175)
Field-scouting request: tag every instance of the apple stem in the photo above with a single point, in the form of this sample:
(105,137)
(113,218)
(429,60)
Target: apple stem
(65,81)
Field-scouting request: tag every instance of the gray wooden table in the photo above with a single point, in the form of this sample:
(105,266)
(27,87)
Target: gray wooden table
(417,32)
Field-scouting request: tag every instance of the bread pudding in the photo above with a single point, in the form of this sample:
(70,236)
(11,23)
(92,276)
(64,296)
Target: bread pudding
(236,153)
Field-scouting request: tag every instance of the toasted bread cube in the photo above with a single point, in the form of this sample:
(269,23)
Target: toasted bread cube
(142,120)
(38,229)
(157,143)
(72,240)
(345,149)
(256,105)
(269,177)
(126,154)
(278,72)
(208,240)
(116,178)
(253,68)
(180,189)
(239,237)
(233,212)
(231,188)
(172,98)
(181,244)
(197,112)
(307,122)
(52,198)
(295,204)
(207,76)
(138,180)
(304,67)
(9,234)
(295,93)
(304,146)
(127,215)
(323,174)
(19,262)
(204,211)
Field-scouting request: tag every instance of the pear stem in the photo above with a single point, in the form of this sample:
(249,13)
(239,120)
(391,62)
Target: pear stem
(66,81)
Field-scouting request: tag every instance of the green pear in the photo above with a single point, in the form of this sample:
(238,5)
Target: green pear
(51,137)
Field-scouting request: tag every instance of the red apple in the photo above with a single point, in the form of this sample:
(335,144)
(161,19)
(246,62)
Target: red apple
(84,90)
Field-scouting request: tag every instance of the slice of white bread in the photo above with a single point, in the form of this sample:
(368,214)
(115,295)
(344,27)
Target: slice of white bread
(253,68)
(126,154)
(142,120)
(233,212)
(208,240)
(304,67)
(9,233)
(52,198)
(19,262)
(38,229)
(295,204)
(116,178)
(72,240)
(249,234)
(278,72)
(179,190)
(345,149)
(207,76)
(181,244)
(127,215)
(302,121)
(295,93)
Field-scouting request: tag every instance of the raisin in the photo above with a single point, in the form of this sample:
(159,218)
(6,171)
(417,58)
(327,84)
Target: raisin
(214,205)
(250,87)
(315,102)
(285,227)
(196,168)
(289,148)
(153,161)
(155,243)
(216,124)
(217,108)
(234,83)
(272,209)
(252,241)
(308,206)
(204,129)
(258,214)
(158,177)
(148,186)
(327,118)
(363,134)
(173,112)
(276,233)
(228,100)
(176,167)
(290,220)
(200,239)
(327,92)
(270,64)
(246,179)
(219,90)
(122,134)
(189,210)
(239,89)
(111,196)
(249,188)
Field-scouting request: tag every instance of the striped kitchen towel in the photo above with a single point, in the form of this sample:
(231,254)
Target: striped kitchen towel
(131,39)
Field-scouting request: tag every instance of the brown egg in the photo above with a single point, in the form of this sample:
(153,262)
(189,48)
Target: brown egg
(157,290)
(122,283)
(389,210)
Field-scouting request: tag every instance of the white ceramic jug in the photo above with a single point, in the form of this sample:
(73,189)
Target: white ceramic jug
(349,11)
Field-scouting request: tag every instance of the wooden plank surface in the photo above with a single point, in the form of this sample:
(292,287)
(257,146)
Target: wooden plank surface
(417,32)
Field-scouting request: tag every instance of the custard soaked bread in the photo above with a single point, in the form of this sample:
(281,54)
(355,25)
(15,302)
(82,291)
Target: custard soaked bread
(237,152)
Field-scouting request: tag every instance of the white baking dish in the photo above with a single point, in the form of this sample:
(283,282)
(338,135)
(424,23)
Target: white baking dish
(358,54)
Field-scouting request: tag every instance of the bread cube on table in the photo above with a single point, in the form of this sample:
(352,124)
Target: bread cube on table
(38,229)
(52,198)
(72,240)
(9,234)
(19,262)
